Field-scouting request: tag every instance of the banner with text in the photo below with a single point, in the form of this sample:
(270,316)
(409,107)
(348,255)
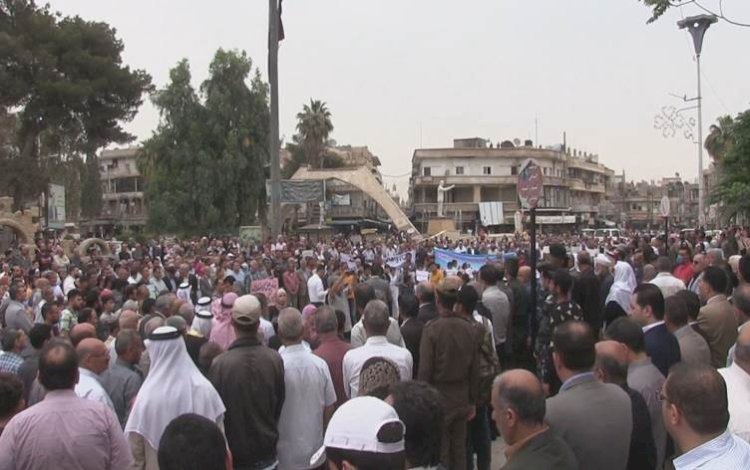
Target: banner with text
(443,257)
(398,260)
(267,287)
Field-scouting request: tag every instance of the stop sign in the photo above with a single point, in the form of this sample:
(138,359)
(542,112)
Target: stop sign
(530,183)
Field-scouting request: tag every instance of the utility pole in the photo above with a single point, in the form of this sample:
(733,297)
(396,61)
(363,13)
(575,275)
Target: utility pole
(273,143)
(697,27)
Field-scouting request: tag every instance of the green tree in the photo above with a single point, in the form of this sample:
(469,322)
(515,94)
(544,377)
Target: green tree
(660,7)
(238,130)
(66,79)
(91,188)
(180,193)
(205,162)
(313,127)
(732,190)
(719,138)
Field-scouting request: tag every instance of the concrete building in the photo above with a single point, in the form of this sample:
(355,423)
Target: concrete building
(122,192)
(346,207)
(575,183)
(636,204)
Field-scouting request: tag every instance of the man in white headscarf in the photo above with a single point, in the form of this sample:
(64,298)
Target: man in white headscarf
(202,323)
(618,299)
(184,292)
(174,386)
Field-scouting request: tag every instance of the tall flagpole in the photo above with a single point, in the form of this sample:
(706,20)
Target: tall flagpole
(273,143)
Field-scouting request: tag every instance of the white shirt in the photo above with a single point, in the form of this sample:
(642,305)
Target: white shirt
(738,394)
(68,284)
(315,289)
(359,336)
(721,453)
(668,284)
(308,390)
(266,327)
(376,346)
(88,387)
(652,325)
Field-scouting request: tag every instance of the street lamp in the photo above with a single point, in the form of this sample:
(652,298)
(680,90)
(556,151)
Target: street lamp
(697,27)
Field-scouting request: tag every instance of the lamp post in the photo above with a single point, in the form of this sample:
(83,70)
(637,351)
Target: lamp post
(697,27)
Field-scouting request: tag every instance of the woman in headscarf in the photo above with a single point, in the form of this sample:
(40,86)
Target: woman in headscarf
(222,332)
(618,299)
(173,387)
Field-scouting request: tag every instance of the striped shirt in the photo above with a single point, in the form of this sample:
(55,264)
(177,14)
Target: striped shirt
(724,452)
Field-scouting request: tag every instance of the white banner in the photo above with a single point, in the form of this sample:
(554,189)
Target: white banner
(491,213)
(341,199)
(398,260)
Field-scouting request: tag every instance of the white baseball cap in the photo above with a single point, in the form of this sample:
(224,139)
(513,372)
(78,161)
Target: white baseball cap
(355,426)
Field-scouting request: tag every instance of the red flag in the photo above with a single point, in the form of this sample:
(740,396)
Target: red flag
(281,24)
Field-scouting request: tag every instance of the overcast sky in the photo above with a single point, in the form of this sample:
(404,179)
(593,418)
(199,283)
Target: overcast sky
(400,74)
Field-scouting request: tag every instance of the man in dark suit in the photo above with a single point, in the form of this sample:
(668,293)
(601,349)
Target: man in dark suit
(612,367)
(518,410)
(586,291)
(426,297)
(411,325)
(647,309)
(594,418)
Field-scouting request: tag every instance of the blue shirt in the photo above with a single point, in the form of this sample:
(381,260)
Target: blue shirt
(10,362)
(724,452)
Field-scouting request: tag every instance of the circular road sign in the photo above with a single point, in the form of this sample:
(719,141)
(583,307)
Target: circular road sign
(530,183)
(664,208)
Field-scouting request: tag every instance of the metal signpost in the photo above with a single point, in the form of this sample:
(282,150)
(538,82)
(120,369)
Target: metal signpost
(530,190)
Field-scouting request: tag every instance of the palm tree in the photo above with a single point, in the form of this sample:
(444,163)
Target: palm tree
(313,127)
(719,138)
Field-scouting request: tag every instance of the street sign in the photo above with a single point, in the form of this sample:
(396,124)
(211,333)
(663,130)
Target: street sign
(530,183)
(664,208)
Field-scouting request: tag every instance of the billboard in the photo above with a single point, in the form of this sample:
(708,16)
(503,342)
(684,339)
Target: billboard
(56,206)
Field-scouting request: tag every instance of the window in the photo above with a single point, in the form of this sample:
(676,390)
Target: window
(514,170)
(427,171)
(459,170)
(486,170)
(545,171)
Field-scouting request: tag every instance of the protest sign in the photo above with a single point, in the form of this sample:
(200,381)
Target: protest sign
(267,287)
(443,257)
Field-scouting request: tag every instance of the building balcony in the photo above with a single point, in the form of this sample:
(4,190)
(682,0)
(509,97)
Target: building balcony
(120,172)
(466,180)
(588,208)
(124,215)
(577,184)
(107,196)
(582,164)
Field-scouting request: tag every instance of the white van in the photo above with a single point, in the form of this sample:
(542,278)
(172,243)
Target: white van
(612,233)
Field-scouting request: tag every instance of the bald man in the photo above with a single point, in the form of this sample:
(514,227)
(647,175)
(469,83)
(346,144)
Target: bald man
(128,321)
(524,275)
(518,410)
(612,367)
(80,332)
(737,376)
(93,359)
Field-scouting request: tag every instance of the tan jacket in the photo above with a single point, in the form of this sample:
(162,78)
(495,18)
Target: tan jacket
(717,320)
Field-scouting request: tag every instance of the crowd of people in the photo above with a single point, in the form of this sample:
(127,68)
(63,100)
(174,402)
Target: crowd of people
(380,353)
